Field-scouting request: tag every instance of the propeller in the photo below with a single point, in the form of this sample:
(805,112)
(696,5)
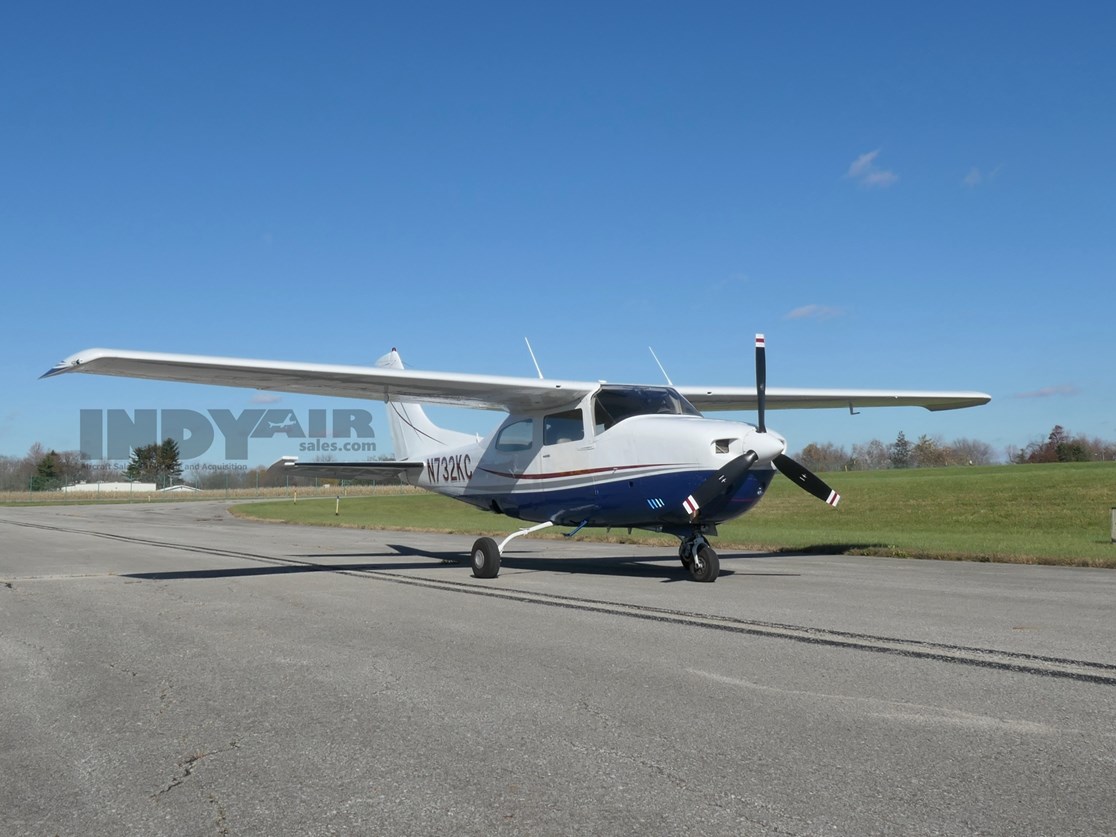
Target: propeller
(729,478)
(797,473)
(761,382)
(725,481)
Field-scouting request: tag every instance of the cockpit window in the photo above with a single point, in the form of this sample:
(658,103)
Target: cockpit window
(516,436)
(613,404)
(563,427)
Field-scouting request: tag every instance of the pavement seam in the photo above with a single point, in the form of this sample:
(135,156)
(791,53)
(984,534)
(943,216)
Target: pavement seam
(1081,670)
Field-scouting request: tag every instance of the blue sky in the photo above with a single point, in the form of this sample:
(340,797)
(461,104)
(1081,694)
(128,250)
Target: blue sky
(897,195)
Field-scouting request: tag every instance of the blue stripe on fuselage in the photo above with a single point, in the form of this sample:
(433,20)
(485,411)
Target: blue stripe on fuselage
(623,503)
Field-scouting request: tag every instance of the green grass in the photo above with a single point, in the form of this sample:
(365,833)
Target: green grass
(1036,514)
(1051,514)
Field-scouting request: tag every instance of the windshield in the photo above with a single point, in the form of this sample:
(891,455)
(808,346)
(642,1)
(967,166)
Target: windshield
(613,404)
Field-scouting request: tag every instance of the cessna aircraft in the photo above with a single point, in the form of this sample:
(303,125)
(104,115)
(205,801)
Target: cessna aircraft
(569,453)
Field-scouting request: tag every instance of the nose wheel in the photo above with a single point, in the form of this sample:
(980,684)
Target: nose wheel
(699,558)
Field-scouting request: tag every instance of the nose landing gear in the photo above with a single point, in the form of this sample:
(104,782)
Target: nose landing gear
(699,558)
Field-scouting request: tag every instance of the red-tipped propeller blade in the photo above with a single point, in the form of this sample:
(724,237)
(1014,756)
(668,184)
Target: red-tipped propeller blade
(761,382)
(726,481)
(802,477)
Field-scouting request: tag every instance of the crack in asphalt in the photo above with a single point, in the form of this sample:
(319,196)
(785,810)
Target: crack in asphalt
(190,763)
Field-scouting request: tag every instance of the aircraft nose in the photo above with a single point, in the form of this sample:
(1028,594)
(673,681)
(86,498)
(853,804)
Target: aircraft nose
(766,445)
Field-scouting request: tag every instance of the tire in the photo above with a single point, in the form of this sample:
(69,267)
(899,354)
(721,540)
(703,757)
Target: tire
(485,558)
(706,565)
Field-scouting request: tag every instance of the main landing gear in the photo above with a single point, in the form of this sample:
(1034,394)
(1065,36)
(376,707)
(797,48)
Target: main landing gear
(485,558)
(698,557)
(486,553)
(694,552)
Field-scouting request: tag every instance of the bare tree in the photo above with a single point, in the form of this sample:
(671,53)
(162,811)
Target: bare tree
(930,453)
(823,457)
(11,476)
(972,452)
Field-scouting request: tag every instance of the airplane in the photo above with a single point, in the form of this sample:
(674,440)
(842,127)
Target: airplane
(282,426)
(569,453)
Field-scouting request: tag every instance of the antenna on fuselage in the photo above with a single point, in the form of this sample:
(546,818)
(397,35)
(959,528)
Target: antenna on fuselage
(661,369)
(532,351)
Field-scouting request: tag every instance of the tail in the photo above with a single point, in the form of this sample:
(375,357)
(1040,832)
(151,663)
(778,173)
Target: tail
(413,435)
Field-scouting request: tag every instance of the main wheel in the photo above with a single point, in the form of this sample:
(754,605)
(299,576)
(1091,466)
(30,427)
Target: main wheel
(706,566)
(486,558)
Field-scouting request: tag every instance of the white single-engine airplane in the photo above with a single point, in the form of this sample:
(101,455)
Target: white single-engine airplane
(569,453)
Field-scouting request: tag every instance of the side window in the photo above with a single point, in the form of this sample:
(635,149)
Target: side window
(563,427)
(517,436)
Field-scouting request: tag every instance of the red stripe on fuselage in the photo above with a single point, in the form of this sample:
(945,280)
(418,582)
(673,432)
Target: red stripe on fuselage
(583,472)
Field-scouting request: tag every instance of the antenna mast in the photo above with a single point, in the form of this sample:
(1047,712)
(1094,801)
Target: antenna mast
(529,349)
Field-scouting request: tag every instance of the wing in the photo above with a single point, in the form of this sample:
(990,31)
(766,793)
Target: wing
(489,392)
(785,398)
(404,471)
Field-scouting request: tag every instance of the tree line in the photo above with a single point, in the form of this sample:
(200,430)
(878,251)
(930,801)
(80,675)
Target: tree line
(933,452)
(46,470)
(159,463)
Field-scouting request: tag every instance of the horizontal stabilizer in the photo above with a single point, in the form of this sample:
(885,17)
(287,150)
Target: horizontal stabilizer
(403,471)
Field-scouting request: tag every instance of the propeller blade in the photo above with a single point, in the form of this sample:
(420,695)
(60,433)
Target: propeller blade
(761,382)
(725,481)
(802,477)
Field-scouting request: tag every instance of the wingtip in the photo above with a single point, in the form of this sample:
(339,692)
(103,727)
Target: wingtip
(75,360)
(57,369)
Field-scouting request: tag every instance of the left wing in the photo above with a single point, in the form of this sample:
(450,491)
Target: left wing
(488,392)
(785,398)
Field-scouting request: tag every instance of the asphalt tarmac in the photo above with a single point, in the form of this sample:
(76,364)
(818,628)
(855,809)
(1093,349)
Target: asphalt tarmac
(168,669)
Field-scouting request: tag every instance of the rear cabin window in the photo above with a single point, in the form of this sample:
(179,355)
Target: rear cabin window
(563,427)
(517,436)
(613,404)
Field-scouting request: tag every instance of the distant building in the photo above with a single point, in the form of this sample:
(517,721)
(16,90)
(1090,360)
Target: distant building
(110,487)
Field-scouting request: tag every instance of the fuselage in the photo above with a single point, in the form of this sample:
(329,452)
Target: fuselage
(620,457)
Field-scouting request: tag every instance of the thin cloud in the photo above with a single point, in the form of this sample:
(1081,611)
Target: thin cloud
(738,280)
(266,398)
(879,179)
(813,312)
(868,175)
(1050,392)
(863,164)
(8,422)
(976,176)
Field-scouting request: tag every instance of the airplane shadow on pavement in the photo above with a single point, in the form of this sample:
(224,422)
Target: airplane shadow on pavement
(454,559)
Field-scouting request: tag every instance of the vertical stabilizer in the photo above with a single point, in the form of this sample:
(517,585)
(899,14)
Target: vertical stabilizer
(413,435)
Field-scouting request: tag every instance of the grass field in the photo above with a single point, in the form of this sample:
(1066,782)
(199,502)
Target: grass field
(1035,514)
